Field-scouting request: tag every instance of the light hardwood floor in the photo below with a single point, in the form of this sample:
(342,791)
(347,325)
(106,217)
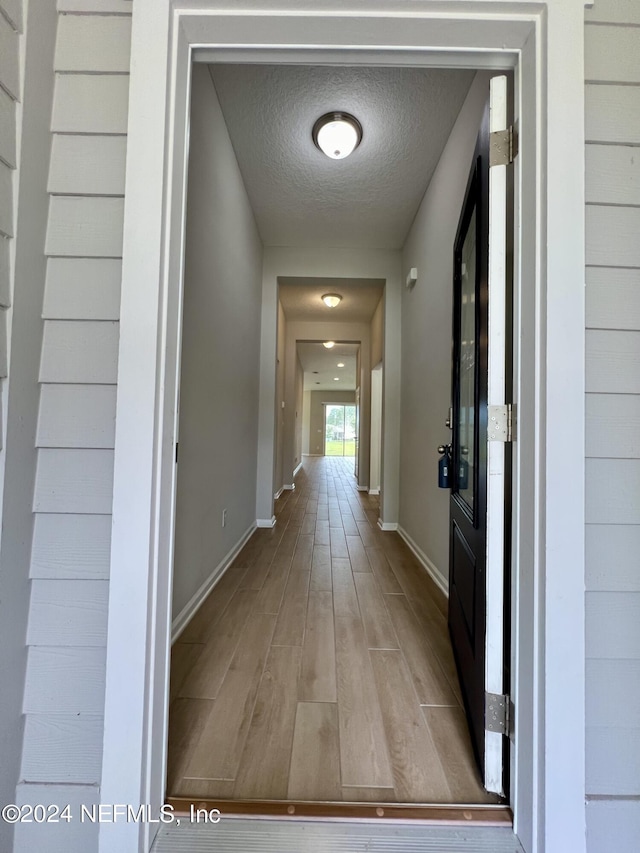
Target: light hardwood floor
(319,668)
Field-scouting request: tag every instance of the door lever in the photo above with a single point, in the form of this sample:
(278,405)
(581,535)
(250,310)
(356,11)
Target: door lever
(444,448)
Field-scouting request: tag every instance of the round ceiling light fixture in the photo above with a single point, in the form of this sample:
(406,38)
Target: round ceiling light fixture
(340,364)
(329,344)
(337,134)
(331,299)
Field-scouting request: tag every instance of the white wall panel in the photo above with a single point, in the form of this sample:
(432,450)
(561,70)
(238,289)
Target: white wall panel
(610,550)
(612,114)
(613,362)
(612,55)
(71,546)
(6,201)
(62,748)
(90,103)
(612,236)
(65,680)
(613,693)
(68,837)
(613,492)
(85,227)
(82,289)
(613,825)
(79,352)
(613,623)
(77,416)
(613,426)
(87,165)
(614,12)
(12,10)
(5,281)
(93,43)
(102,7)
(7,129)
(613,298)
(68,613)
(74,481)
(612,174)
(9,63)
(613,759)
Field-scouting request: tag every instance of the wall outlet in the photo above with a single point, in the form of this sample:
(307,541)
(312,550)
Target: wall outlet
(224,518)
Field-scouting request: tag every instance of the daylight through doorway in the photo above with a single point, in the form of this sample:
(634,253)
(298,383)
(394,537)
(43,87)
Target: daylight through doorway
(339,430)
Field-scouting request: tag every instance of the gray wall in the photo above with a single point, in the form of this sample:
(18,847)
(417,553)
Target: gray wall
(377,334)
(316,415)
(220,353)
(426,337)
(279,414)
(612,43)
(299,405)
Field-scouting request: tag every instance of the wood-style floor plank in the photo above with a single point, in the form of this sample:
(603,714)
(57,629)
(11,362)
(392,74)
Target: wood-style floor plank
(364,759)
(321,569)
(264,766)
(377,624)
(270,596)
(417,773)
(317,671)
(353,794)
(338,543)
(345,600)
(429,681)
(183,658)
(357,554)
(315,759)
(205,678)
(187,718)
(450,734)
(322,532)
(383,572)
(221,742)
(199,628)
(303,553)
(293,612)
(308,523)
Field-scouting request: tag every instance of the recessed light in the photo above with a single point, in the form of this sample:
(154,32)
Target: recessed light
(340,364)
(337,134)
(336,379)
(329,344)
(331,299)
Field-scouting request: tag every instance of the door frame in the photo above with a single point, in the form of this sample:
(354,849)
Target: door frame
(542,41)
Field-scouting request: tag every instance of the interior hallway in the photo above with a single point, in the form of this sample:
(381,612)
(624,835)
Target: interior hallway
(319,668)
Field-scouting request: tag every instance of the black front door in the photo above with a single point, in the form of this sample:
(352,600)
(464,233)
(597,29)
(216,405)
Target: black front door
(468,501)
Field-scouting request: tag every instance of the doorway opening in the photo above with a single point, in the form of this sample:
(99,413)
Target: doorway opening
(324,581)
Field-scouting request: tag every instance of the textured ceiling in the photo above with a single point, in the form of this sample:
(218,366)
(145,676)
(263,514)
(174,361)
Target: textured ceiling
(320,366)
(301,298)
(302,198)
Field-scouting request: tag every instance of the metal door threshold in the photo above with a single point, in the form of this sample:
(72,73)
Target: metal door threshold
(354,834)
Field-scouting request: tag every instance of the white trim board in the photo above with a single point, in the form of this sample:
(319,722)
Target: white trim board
(543,42)
(434,573)
(266,522)
(197,599)
(387,525)
(374,491)
(297,468)
(278,493)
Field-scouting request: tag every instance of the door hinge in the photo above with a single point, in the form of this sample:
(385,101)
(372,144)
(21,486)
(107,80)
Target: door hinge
(501,423)
(498,713)
(503,146)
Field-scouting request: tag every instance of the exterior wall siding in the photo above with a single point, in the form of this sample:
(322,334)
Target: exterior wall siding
(69,569)
(612,76)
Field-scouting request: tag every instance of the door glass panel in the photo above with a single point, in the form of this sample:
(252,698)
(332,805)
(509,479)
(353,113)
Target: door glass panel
(465,450)
(340,430)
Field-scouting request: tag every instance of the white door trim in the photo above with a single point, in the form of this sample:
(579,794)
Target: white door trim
(545,43)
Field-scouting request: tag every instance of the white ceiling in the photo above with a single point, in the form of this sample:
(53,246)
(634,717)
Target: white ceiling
(320,366)
(301,298)
(302,198)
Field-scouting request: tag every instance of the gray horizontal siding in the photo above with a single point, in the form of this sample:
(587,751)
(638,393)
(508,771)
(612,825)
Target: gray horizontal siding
(612,74)
(69,571)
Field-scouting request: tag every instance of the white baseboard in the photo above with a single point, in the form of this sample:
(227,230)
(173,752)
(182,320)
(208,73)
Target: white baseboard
(433,572)
(289,487)
(277,495)
(193,605)
(374,491)
(387,525)
(362,488)
(313,454)
(295,471)
(266,522)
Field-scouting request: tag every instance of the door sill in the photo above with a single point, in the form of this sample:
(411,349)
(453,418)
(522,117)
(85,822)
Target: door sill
(450,815)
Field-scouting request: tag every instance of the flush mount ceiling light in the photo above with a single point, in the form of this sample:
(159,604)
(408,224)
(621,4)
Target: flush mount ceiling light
(336,379)
(329,344)
(331,299)
(340,364)
(337,134)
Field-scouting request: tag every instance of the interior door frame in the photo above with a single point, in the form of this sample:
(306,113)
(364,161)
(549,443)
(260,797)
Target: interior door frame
(542,41)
